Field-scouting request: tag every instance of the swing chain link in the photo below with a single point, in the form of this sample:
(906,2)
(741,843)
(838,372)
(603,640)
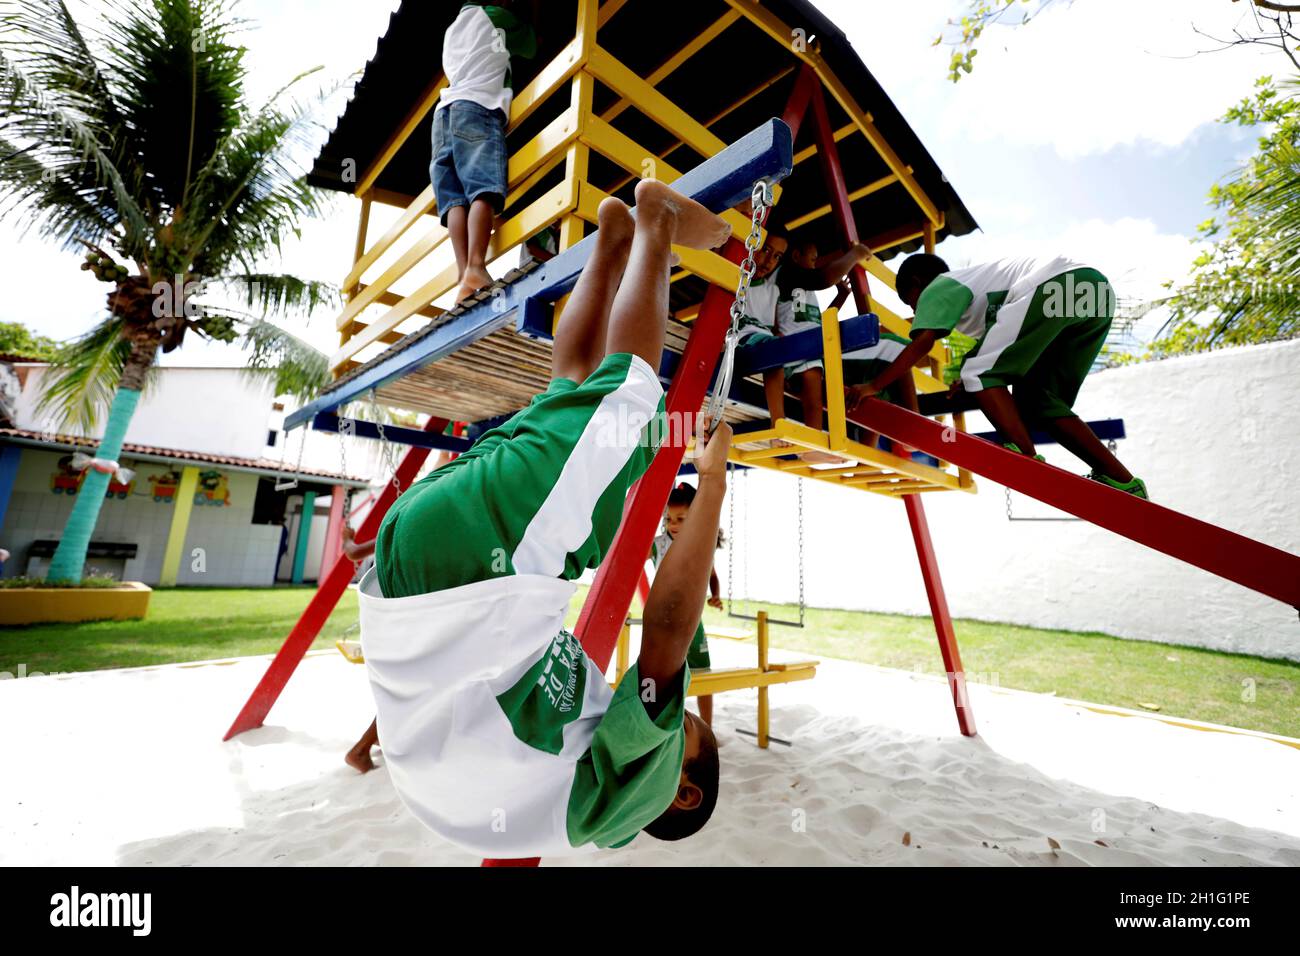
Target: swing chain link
(346,429)
(384,445)
(761,198)
(799,482)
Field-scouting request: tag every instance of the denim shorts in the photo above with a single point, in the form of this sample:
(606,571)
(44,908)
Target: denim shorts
(469,156)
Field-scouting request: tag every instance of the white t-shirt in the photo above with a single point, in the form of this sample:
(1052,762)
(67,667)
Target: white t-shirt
(476,51)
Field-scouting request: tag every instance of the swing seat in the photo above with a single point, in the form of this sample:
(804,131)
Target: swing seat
(351,650)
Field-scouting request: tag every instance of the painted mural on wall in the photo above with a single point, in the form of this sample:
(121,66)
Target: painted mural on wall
(68,479)
(163,487)
(213,489)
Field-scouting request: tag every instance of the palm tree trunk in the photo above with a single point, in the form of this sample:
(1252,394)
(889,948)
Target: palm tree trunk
(69,560)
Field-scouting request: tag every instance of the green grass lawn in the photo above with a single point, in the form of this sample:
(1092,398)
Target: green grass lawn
(184,624)
(195,624)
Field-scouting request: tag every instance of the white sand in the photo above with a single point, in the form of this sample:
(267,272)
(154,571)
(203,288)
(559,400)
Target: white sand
(128,767)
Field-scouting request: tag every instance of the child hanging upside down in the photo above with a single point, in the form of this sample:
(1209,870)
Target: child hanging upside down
(1038,326)
(697,658)
(499,732)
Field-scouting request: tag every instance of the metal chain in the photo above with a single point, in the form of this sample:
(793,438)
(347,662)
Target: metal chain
(761,198)
(731,542)
(384,445)
(1008,491)
(744,521)
(799,482)
(345,430)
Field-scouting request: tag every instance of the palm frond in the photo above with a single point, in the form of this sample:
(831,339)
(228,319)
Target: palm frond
(300,370)
(83,377)
(280,295)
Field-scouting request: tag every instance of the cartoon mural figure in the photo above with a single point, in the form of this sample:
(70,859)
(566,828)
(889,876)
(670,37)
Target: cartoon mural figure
(213,489)
(164,486)
(67,480)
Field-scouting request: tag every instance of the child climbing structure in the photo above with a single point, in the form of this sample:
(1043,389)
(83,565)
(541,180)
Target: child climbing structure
(839,157)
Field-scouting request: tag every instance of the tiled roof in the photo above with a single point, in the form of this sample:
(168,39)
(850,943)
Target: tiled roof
(179,454)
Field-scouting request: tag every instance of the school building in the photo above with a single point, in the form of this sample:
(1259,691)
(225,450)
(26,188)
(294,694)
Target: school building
(216,498)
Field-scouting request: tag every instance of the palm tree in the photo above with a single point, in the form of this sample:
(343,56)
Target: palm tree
(129,134)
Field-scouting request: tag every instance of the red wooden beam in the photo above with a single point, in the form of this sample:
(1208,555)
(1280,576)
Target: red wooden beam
(828,155)
(1260,567)
(328,591)
(943,628)
(796,108)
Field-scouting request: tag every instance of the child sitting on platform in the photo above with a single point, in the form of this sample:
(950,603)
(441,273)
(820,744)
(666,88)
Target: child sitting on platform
(499,732)
(1038,326)
(697,658)
(782,301)
(468,169)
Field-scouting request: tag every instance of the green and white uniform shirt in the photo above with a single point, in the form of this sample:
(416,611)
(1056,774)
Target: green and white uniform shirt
(758,324)
(1038,323)
(500,734)
(476,51)
(797,309)
(864,364)
(697,657)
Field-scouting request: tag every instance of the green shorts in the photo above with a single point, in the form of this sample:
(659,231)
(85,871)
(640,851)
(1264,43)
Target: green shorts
(1043,345)
(698,655)
(542,493)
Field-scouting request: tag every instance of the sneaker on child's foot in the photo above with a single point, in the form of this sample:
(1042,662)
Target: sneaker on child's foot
(1136,487)
(1012,446)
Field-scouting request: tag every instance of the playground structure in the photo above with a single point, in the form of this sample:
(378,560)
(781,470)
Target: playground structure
(623,119)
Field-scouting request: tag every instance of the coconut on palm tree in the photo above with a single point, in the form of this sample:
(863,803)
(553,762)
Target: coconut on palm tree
(126,134)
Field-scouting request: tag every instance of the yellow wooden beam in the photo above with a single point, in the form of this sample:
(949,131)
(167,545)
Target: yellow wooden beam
(548,80)
(608,9)
(778,30)
(654,104)
(408,126)
(422,247)
(717,117)
(833,361)
(808,152)
(665,69)
(550,207)
(423,204)
(854,196)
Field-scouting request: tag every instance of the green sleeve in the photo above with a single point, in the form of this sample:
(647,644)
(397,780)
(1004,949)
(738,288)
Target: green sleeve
(520,38)
(942,305)
(631,772)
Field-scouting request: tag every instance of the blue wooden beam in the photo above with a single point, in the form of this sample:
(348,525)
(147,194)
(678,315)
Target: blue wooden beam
(329,422)
(720,182)
(1107,429)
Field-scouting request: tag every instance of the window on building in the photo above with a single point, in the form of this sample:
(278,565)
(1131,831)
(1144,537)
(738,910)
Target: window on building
(271,438)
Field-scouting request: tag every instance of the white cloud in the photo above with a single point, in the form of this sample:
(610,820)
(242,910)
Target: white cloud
(1082,77)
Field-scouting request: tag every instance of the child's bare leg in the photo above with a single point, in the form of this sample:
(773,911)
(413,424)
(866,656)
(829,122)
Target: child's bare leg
(1076,437)
(774,390)
(997,405)
(358,758)
(475,275)
(580,336)
(640,310)
(458,230)
(810,396)
(706,708)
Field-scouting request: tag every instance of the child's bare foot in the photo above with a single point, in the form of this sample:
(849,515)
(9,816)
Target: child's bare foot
(475,278)
(360,760)
(615,219)
(694,226)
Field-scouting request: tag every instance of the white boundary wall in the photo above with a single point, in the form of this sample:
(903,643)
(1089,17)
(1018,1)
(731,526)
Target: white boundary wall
(1216,436)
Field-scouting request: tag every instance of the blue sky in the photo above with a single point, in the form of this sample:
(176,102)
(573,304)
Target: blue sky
(1090,132)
